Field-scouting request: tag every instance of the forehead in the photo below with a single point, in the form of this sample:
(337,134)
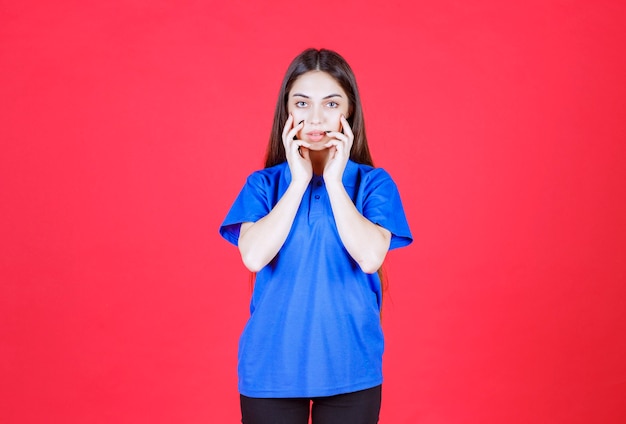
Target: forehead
(316,84)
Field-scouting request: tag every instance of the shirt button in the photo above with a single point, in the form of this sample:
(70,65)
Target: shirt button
(317,196)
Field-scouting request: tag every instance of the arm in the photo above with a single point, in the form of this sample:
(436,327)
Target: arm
(260,241)
(365,241)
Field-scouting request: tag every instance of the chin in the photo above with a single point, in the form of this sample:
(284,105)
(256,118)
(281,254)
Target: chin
(317,147)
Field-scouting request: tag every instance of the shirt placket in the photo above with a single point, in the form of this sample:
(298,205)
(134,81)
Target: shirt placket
(318,197)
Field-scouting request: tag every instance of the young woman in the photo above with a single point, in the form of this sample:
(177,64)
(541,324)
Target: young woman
(315,226)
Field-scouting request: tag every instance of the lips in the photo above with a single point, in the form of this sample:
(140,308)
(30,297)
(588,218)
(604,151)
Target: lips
(315,135)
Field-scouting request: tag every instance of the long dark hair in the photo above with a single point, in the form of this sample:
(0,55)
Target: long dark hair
(336,66)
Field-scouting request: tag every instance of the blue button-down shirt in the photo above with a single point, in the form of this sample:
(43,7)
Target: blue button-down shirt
(314,328)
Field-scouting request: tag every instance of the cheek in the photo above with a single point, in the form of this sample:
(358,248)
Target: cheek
(298,115)
(333,120)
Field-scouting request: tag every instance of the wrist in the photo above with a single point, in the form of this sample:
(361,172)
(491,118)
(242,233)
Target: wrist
(299,185)
(334,184)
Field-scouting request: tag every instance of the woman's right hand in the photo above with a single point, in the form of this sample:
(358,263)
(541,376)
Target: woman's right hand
(259,242)
(297,153)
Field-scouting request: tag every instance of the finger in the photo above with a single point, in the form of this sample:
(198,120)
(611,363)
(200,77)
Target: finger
(297,146)
(335,145)
(346,127)
(332,152)
(337,135)
(304,152)
(348,132)
(287,127)
(291,135)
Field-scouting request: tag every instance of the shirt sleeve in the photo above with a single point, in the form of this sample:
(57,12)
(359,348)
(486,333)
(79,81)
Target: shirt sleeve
(382,206)
(250,205)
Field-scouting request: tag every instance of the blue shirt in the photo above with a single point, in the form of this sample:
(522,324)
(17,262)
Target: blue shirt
(314,327)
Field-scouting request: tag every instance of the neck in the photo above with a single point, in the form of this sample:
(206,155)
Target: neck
(318,160)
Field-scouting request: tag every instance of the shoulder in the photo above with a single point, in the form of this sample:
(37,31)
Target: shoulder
(369,175)
(268,176)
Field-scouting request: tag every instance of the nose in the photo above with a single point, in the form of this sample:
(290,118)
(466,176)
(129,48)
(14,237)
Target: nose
(315,117)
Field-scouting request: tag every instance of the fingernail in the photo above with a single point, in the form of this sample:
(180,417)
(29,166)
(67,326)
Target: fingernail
(327,132)
(300,122)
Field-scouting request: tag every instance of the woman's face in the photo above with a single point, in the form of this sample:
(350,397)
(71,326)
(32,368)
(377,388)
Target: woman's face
(317,99)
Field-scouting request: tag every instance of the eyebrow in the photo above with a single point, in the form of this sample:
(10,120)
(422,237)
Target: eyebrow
(307,97)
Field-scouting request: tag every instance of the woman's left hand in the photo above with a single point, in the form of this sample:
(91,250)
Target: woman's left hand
(339,146)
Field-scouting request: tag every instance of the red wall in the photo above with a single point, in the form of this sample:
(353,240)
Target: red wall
(127,129)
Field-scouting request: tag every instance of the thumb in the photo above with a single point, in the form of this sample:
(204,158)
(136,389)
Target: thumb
(305,152)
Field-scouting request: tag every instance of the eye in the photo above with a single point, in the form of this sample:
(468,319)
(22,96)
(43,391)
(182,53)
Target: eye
(300,103)
(332,104)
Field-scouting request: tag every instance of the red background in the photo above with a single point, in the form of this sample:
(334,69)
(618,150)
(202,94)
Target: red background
(128,127)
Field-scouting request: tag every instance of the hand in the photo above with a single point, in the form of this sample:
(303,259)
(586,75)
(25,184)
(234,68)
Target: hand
(339,152)
(297,153)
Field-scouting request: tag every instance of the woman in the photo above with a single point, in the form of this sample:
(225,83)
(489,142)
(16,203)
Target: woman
(315,226)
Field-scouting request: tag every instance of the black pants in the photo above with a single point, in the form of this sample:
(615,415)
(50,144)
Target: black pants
(360,407)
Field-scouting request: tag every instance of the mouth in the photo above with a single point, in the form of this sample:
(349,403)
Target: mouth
(315,135)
